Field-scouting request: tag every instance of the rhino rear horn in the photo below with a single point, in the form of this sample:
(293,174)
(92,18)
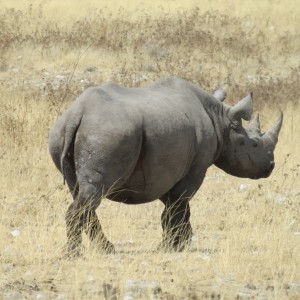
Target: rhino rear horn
(220,94)
(273,133)
(254,123)
(243,109)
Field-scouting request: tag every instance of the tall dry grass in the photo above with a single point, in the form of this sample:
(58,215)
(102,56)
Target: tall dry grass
(247,233)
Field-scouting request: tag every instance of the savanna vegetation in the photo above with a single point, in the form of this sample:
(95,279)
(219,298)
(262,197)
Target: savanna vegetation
(247,233)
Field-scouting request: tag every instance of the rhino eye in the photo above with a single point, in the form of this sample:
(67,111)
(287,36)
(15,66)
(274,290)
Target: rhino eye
(255,143)
(234,124)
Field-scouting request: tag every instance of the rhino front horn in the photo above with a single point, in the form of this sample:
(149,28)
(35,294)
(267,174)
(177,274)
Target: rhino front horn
(273,133)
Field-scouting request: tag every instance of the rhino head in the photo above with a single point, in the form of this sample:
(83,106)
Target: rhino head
(246,152)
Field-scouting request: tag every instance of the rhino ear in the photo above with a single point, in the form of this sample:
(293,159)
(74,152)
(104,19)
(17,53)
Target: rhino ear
(220,94)
(243,109)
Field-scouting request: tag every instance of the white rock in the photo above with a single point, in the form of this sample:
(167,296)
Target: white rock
(194,238)
(61,296)
(60,77)
(280,199)
(205,256)
(129,296)
(15,232)
(243,187)
(91,278)
(84,81)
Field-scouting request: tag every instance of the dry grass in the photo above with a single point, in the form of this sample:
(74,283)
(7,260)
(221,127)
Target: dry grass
(247,233)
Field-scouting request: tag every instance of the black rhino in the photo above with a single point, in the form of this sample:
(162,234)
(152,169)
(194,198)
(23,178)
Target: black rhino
(135,145)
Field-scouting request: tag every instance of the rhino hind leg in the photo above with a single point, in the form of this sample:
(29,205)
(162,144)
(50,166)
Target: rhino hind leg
(177,230)
(95,233)
(81,216)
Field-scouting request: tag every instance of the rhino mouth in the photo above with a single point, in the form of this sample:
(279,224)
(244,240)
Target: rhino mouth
(270,169)
(265,172)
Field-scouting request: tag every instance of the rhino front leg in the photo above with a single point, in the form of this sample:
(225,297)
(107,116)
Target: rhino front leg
(177,229)
(81,215)
(175,219)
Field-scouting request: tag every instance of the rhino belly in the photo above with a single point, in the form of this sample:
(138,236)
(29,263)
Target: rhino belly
(145,185)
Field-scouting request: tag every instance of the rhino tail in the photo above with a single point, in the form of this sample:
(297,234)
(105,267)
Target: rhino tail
(69,138)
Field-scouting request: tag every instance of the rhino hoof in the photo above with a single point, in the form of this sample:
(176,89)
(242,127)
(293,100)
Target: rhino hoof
(174,244)
(108,248)
(103,246)
(72,252)
(169,247)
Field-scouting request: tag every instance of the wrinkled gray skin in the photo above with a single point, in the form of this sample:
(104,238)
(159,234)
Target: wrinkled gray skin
(135,145)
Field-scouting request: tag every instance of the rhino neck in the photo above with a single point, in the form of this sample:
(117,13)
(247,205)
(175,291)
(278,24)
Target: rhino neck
(216,112)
